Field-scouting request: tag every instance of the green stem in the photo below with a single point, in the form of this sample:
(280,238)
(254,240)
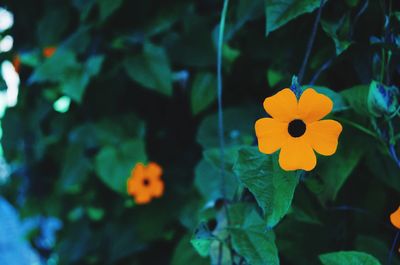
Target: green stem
(358,126)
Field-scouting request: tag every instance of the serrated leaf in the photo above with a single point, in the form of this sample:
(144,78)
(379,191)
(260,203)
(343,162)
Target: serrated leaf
(348,258)
(272,187)
(151,69)
(114,164)
(204,91)
(280,12)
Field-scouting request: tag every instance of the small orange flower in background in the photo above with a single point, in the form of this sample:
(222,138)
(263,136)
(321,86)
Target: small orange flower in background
(296,128)
(16,63)
(145,182)
(49,51)
(395,218)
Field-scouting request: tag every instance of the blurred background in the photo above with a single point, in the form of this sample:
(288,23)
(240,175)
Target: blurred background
(89,88)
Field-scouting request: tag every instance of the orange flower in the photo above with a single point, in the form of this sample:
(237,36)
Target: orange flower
(49,51)
(296,128)
(395,218)
(16,63)
(145,182)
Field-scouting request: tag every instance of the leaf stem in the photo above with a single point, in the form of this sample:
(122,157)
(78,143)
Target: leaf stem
(310,42)
(392,248)
(358,126)
(219,94)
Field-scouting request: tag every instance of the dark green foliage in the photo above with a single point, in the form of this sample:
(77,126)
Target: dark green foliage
(141,77)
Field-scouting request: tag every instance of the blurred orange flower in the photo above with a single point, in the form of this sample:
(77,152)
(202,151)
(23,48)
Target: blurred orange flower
(296,128)
(49,51)
(395,218)
(16,63)
(145,182)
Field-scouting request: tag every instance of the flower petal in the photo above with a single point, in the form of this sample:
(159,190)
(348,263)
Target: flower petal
(153,171)
(395,218)
(282,105)
(142,198)
(297,153)
(323,136)
(271,134)
(157,188)
(314,106)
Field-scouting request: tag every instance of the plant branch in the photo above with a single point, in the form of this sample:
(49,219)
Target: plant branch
(310,42)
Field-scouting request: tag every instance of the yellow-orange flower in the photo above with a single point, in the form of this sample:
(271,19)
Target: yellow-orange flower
(296,128)
(145,182)
(49,51)
(395,218)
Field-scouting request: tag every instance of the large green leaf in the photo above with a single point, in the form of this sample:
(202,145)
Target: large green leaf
(64,68)
(280,12)
(272,187)
(204,91)
(113,164)
(151,69)
(348,258)
(357,98)
(75,169)
(336,169)
(208,177)
(250,238)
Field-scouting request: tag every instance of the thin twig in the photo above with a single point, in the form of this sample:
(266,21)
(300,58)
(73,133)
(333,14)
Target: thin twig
(392,248)
(310,43)
(219,80)
(321,69)
(221,117)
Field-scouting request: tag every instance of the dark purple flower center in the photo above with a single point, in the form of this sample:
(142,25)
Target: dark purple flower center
(296,128)
(146,182)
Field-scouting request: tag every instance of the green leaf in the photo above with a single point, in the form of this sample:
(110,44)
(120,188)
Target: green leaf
(348,258)
(204,91)
(108,7)
(114,164)
(76,81)
(272,187)
(235,133)
(64,68)
(274,77)
(208,178)
(336,169)
(357,98)
(75,169)
(184,254)
(250,238)
(338,31)
(280,12)
(151,69)
(202,239)
(50,30)
(375,247)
